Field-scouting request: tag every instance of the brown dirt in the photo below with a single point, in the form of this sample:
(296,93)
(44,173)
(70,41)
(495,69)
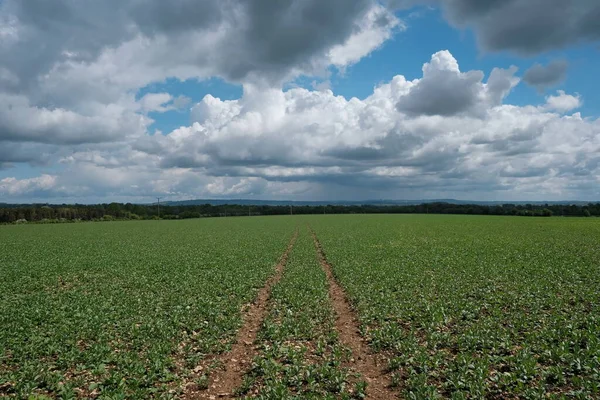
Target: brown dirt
(223,381)
(370,366)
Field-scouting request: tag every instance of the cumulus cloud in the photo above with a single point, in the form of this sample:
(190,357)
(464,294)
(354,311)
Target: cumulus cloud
(300,142)
(299,136)
(542,77)
(19,187)
(236,40)
(21,121)
(563,102)
(444,90)
(79,86)
(74,103)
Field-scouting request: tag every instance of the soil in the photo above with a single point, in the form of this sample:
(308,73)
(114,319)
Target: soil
(223,381)
(369,365)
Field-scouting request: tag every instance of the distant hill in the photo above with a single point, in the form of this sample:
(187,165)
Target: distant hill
(383,202)
(380,202)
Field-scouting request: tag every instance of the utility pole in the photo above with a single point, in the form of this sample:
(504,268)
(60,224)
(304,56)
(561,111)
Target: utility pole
(158,206)
(249,211)
(291,212)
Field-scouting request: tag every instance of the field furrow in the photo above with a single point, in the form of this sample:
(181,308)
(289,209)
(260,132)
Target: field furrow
(224,380)
(370,366)
(474,307)
(126,310)
(301,356)
(367,306)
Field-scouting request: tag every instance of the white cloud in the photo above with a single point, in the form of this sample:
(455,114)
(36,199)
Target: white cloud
(74,103)
(20,121)
(300,136)
(375,28)
(162,102)
(563,102)
(19,187)
(80,86)
(155,102)
(300,142)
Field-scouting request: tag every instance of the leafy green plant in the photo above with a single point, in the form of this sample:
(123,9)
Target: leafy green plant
(474,306)
(300,355)
(126,309)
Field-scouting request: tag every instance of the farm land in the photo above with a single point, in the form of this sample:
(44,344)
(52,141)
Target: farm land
(339,307)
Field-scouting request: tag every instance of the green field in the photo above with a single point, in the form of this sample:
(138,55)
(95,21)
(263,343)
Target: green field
(125,309)
(475,307)
(460,306)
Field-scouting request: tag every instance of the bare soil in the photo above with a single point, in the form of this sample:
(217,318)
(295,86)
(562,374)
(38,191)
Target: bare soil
(370,366)
(225,380)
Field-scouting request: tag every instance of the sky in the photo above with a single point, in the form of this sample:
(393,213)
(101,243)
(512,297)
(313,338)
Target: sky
(129,100)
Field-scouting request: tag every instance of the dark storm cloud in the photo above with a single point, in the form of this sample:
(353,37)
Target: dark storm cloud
(542,77)
(83,28)
(158,17)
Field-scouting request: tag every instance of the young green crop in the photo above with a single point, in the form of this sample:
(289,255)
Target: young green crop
(125,310)
(300,357)
(464,307)
(475,307)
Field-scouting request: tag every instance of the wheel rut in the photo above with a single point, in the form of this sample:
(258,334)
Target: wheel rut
(225,380)
(369,365)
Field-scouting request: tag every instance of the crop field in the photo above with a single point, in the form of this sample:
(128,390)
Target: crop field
(302,307)
(475,307)
(125,309)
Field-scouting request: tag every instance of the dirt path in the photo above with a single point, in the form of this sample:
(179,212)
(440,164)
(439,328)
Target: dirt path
(369,365)
(225,380)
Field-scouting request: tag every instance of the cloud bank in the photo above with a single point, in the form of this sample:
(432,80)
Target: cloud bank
(74,105)
(303,143)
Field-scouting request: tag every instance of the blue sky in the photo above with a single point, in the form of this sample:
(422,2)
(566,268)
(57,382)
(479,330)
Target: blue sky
(167,101)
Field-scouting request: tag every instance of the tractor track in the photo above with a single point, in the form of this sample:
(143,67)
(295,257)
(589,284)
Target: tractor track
(225,380)
(369,365)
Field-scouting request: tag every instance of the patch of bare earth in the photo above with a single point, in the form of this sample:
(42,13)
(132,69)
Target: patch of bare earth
(225,380)
(371,366)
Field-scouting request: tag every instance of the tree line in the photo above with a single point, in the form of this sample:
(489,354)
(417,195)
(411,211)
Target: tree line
(118,211)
